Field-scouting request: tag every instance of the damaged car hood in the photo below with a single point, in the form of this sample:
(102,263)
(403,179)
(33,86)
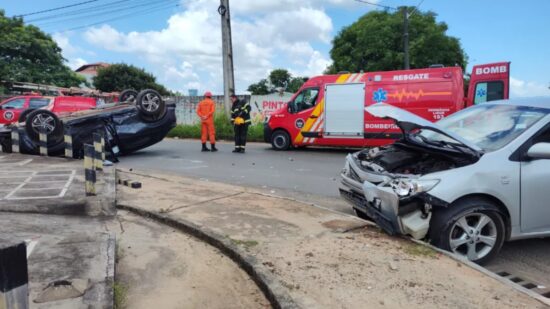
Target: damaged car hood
(408,122)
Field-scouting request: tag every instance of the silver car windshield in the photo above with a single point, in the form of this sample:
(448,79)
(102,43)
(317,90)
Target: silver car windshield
(490,127)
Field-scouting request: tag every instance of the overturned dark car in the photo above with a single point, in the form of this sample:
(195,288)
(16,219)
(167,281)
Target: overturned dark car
(138,121)
(466,183)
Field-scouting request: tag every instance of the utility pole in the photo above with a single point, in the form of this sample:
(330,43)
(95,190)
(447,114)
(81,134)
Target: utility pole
(406,37)
(227,49)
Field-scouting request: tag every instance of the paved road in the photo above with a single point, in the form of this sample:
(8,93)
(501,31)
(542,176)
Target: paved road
(305,174)
(310,175)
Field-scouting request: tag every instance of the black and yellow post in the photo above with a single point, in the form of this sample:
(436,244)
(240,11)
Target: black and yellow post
(15,139)
(89,170)
(14,275)
(43,143)
(98,156)
(103,147)
(68,146)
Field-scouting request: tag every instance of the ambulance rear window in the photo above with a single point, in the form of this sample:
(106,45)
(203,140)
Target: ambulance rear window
(489,91)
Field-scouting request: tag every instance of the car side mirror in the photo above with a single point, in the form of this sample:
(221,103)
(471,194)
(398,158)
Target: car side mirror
(539,151)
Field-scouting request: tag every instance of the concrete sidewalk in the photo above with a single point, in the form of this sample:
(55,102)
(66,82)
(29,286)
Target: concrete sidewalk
(306,257)
(70,251)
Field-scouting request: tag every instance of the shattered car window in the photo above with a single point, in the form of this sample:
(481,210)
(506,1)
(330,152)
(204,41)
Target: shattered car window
(490,127)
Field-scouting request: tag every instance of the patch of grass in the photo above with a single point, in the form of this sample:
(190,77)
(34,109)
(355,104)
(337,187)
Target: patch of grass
(224,130)
(420,250)
(120,294)
(245,243)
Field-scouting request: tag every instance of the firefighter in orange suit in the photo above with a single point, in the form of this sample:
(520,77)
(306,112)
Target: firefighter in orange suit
(205,111)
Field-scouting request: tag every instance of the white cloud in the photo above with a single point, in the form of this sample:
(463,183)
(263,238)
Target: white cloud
(69,51)
(521,88)
(266,34)
(75,63)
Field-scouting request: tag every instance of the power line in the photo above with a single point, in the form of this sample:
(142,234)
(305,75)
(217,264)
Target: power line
(120,17)
(76,12)
(415,9)
(376,4)
(57,8)
(92,13)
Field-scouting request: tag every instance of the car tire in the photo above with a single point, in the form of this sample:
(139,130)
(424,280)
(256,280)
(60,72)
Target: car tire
(150,103)
(23,116)
(472,228)
(280,140)
(128,96)
(44,119)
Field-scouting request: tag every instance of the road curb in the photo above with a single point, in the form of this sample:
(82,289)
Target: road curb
(486,272)
(268,284)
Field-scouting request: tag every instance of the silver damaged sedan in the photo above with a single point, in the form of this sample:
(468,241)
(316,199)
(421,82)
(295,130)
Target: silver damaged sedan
(466,183)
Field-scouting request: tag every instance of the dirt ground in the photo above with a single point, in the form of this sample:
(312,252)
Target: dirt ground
(159,267)
(324,259)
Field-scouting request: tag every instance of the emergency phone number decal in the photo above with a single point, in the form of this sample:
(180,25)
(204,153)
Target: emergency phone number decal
(438,113)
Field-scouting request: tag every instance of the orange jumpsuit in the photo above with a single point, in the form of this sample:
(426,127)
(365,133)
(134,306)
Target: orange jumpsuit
(206,109)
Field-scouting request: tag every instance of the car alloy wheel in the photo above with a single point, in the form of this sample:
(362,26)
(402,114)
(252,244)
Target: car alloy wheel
(473,236)
(128,96)
(43,123)
(151,102)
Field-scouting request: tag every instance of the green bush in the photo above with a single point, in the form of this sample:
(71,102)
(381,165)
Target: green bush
(224,130)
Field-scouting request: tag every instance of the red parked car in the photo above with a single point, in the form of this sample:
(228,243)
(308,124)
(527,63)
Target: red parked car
(17,109)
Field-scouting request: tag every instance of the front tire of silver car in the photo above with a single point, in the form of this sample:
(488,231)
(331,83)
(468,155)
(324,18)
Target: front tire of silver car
(473,229)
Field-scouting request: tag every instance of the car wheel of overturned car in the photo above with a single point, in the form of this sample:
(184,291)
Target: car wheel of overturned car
(128,96)
(23,116)
(150,103)
(473,229)
(280,140)
(44,121)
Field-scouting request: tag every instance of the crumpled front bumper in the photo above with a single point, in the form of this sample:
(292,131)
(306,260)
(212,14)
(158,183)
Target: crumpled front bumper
(378,203)
(370,194)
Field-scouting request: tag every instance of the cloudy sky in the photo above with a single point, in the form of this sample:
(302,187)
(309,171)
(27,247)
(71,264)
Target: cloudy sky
(180,40)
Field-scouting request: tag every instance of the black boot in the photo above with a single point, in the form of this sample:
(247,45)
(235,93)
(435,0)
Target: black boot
(213,148)
(242,150)
(204,148)
(237,149)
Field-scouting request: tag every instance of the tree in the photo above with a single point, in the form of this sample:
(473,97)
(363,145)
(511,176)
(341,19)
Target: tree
(29,55)
(278,78)
(259,88)
(375,43)
(296,83)
(121,76)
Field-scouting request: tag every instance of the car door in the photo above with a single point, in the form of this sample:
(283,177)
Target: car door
(535,183)
(302,109)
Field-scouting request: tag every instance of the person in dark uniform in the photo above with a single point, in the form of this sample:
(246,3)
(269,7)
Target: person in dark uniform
(240,116)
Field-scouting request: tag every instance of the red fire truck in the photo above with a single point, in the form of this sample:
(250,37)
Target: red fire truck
(329,110)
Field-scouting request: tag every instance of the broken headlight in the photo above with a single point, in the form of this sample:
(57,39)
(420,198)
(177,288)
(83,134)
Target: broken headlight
(406,187)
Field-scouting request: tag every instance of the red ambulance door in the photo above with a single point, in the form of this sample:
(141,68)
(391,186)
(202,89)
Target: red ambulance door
(489,82)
